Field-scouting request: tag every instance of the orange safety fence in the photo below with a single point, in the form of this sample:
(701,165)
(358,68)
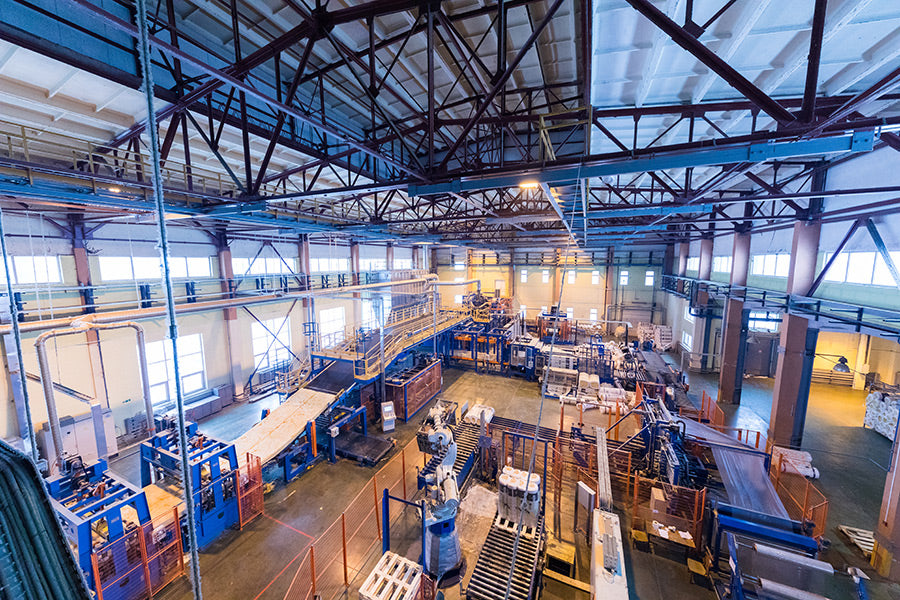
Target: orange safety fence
(343,551)
(682,507)
(802,500)
(250,490)
(142,562)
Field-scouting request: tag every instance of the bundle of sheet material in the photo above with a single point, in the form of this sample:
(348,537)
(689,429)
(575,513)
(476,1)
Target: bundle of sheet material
(743,471)
(519,497)
(794,461)
(473,415)
(882,411)
(614,352)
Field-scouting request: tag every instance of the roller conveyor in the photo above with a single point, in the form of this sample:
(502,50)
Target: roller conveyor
(466,437)
(492,571)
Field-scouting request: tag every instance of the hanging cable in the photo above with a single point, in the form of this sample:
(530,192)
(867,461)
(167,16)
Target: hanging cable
(17,336)
(537,427)
(156,177)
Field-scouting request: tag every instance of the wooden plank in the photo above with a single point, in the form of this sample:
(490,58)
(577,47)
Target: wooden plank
(162,498)
(574,583)
(275,433)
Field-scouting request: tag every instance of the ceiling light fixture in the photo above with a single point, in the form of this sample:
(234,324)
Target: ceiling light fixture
(529,185)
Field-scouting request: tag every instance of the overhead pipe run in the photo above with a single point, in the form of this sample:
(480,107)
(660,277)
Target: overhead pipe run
(83,325)
(119,316)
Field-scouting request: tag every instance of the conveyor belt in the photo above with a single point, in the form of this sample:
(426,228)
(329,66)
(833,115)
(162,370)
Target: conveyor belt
(333,379)
(743,471)
(364,449)
(284,424)
(492,571)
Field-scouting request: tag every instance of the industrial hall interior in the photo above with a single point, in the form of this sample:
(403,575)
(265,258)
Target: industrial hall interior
(449,299)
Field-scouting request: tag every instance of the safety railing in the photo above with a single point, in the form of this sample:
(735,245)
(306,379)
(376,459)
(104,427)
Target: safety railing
(141,563)
(680,507)
(348,549)
(802,500)
(36,146)
(251,503)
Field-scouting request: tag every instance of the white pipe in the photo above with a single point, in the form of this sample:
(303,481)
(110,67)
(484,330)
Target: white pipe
(82,325)
(196,307)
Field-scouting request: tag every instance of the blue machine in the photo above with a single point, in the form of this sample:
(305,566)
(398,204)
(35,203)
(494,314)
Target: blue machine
(301,455)
(96,508)
(213,475)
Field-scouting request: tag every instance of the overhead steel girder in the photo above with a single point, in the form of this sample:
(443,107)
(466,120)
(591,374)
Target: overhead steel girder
(862,141)
(224,77)
(690,43)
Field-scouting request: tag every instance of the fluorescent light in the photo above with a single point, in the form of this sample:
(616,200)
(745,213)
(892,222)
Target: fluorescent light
(529,185)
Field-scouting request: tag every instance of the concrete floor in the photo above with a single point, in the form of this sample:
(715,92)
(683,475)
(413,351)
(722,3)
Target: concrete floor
(260,561)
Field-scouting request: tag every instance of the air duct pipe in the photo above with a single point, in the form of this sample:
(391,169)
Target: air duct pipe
(118,316)
(83,325)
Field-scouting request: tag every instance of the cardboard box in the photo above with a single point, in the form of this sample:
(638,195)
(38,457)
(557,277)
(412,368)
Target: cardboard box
(658,502)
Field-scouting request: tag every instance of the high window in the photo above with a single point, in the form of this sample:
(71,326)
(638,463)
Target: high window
(523,276)
(265,266)
(648,278)
(331,326)
(595,277)
(545,276)
(721,264)
(623,277)
(763,321)
(687,341)
(161,369)
(867,268)
(570,277)
(687,314)
(271,343)
(32,269)
(593,315)
(693,263)
(770,265)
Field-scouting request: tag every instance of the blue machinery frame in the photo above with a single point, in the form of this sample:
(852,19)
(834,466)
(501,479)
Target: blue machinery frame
(83,505)
(214,467)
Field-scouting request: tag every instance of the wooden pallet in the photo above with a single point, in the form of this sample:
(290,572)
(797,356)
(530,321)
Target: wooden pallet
(393,578)
(861,538)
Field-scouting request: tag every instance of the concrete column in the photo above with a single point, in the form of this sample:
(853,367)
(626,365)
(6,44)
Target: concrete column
(556,276)
(470,266)
(95,355)
(354,262)
(389,256)
(608,278)
(417,257)
(794,370)
(735,326)
(235,340)
(356,277)
(862,362)
(511,275)
(706,256)
(433,261)
(804,253)
(669,260)
(309,304)
(887,530)
(683,249)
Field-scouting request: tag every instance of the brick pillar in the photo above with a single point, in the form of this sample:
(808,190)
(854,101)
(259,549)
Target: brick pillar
(794,369)
(734,326)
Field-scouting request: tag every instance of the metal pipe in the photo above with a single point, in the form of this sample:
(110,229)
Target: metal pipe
(197,307)
(83,325)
